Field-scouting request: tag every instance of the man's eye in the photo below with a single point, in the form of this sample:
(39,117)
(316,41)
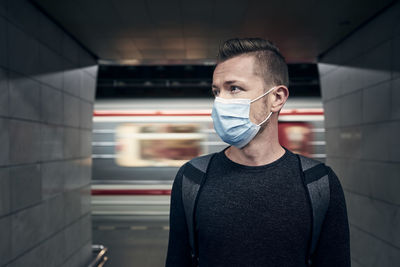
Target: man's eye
(235,89)
(215,92)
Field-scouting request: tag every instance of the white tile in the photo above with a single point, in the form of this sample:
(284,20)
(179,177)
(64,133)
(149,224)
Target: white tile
(91,69)
(72,206)
(50,67)
(351,109)
(367,70)
(350,143)
(24,97)
(71,143)
(71,110)
(34,257)
(374,32)
(394,141)
(395,98)
(86,110)
(86,206)
(73,239)
(52,178)
(328,80)
(52,142)
(376,103)
(349,172)
(70,49)
(86,168)
(5,140)
(348,79)
(73,260)
(72,174)
(54,251)
(5,192)
(377,63)
(396,56)
(25,15)
(378,251)
(378,180)
(355,263)
(5,244)
(24,142)
(23,51)
(72,80)
(52,104)
(332,113)
(27,229)
(375,217)
(86,228)
(86,253)
(4,92)
(3,42)
(53,216)
(348,50)
(88,87)
(86,143)
(332,142)
(26,186)
(376,142)
(50,34)
(397,23)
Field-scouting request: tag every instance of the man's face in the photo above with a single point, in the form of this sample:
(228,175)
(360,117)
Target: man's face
(236,78)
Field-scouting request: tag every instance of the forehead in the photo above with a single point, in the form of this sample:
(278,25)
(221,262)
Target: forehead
(236,68)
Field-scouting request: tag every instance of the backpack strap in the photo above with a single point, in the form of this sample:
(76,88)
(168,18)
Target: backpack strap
(194,175)
(315,175)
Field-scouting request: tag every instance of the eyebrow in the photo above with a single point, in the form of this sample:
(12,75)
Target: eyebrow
(225,83)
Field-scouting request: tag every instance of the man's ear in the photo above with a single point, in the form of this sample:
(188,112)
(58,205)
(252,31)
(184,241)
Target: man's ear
(279,97)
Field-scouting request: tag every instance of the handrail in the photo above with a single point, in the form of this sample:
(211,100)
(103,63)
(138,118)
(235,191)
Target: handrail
(100,258)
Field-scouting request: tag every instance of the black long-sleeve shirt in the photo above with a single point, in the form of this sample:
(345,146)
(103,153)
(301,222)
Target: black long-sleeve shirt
(257,216)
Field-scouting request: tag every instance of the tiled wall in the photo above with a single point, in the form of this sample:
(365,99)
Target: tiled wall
(360,80)
(47,84)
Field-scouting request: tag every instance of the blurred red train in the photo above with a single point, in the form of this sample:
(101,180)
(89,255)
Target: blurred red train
(151,140)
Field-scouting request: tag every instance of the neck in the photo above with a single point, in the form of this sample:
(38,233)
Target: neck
(262,150)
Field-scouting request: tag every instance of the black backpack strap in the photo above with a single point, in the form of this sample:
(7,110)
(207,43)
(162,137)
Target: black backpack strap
(194,175)
(317,184)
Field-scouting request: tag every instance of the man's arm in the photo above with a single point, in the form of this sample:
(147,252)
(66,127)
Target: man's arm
(178,244)
(333,247)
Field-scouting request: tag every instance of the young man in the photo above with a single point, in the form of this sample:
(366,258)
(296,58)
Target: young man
(253,209)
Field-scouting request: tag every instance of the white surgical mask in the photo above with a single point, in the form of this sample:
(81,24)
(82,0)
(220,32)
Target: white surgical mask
(232,122)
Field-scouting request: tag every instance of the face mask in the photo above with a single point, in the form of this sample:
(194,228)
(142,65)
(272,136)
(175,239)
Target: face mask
(231,119)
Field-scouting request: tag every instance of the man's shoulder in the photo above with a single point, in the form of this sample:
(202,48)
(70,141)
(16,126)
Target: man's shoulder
(308,162)
(201,162)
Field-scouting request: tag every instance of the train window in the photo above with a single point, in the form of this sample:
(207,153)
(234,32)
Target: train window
(157,144)
(296,136)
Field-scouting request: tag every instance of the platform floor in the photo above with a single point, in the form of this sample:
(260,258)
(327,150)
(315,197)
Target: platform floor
(132,240)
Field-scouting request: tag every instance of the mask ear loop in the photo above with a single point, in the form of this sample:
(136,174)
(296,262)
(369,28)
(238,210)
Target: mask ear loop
(255,99)
(265,119)
(259,98)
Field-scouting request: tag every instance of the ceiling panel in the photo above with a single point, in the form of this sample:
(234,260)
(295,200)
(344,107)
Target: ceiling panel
(132,12)
(147,43)
(152,53)
(172,43)
(146,30)
(175,54)
(165,12)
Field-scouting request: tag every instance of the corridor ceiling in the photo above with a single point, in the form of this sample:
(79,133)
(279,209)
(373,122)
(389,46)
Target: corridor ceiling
(179,31)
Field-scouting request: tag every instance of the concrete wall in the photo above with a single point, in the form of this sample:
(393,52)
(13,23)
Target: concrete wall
(360,80)
(47,84)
